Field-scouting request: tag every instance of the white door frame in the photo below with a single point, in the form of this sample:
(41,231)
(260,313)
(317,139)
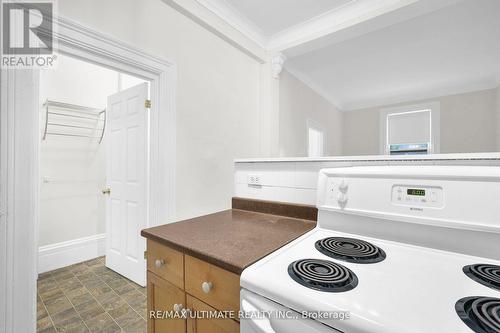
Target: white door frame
(19,163)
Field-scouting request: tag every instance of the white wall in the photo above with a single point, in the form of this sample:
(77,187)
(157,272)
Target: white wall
(467,125)
(73,170)
(298,104)
(217,93)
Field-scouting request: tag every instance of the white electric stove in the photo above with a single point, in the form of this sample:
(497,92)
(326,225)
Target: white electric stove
(397,249)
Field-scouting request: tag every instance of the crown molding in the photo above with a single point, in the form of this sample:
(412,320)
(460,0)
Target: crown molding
(236,33)
(237,20)
(347,15)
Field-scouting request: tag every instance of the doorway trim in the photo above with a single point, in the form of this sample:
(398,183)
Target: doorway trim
(19,162)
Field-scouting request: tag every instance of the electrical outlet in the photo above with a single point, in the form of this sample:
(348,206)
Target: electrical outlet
(254,179)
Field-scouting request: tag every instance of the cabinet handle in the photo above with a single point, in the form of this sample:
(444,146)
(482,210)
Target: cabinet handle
(206,287)
(185,312)
(159,263)
(178,307)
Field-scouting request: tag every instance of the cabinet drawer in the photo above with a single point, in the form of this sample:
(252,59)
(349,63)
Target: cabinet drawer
(167,263)
(164,296)
(211,325)
(213,285)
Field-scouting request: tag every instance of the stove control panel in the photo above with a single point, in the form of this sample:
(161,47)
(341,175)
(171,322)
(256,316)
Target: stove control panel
(415,195)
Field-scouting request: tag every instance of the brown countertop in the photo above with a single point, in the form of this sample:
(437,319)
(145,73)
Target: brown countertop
(231,239)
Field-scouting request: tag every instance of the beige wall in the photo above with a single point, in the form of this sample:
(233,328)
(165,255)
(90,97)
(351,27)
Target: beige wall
(298,104)
(468,124)
(217,93)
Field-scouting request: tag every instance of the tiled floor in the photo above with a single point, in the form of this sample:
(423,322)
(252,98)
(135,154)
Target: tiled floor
(88,297)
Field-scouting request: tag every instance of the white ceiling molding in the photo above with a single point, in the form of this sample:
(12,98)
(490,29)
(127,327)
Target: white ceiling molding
(339,18)
(216,24)
(314,86)
(237,20)
(332,21)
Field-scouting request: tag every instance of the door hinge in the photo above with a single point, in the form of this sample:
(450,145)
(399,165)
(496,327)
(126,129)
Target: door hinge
(147,103)
(145,254)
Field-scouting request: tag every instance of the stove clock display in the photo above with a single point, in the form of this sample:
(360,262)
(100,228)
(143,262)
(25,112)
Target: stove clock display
(415,191)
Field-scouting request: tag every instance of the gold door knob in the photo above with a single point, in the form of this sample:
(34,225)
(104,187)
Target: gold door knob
(106,191)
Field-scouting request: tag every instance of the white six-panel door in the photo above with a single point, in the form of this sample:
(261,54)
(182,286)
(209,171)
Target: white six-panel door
(127,163)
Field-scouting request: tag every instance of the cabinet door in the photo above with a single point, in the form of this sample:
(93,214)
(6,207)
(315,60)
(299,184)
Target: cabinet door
(162,296)
(200,325)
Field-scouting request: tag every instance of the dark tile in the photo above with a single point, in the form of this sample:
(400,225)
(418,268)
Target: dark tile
(56,305)
(79,327)
(89,310)
(62,276)
(92,283)
(118,283)
(112,328)
(83,275)
(124,289)
(100,289)
(108,300)
(79,268)
(137,326)
(121,311)
(95,262)
(70,284)
(43,323)
(51,294)
(99,270)
(78,299)
(138,302)
(48,330)
(130,318)
(113,303)
(132,295)
(40,311)
(98,322)
(44,276)
(46,285)
(66,320)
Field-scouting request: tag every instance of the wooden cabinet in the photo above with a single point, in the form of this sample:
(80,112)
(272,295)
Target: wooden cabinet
(201,325)
(166,263)
(162,298)
(179,283)
(213,285)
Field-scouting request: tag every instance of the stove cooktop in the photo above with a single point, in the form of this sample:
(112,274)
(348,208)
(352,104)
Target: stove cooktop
(350,250)
(481,314)
(322,275)
(410,289)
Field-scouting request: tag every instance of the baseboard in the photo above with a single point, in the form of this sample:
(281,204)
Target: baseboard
(67,253)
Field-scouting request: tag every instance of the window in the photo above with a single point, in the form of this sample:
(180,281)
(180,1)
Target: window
(316,139)
(410,130)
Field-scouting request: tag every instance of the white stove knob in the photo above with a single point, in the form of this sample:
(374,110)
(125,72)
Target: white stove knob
(343,187)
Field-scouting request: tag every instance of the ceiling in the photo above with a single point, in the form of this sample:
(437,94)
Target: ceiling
(451,50)
(273,16)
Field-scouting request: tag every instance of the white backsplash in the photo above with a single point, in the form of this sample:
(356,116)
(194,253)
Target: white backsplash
(295,180)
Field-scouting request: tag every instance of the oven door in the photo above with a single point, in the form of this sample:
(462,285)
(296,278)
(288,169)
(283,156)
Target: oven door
(260,315)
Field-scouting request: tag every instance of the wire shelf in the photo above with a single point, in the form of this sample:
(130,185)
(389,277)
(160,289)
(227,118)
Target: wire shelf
(71,120)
